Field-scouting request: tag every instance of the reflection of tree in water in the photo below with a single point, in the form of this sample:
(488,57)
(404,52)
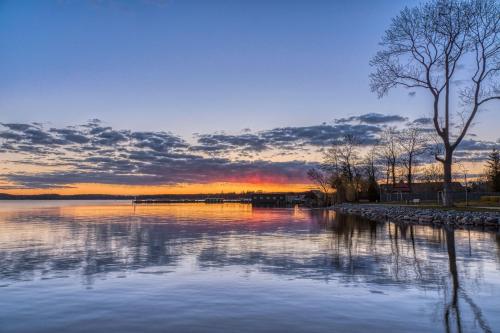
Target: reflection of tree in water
(497,239)
(315,244)
(384,253)
(452,314)
(400,256)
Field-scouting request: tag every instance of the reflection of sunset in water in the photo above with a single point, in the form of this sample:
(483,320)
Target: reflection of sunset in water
(199,220)
(125,212)
(419,272)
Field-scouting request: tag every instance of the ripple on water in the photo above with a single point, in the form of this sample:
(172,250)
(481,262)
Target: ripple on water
(92,266)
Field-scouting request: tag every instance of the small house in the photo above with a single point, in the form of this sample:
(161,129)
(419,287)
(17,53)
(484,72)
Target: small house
(269,199)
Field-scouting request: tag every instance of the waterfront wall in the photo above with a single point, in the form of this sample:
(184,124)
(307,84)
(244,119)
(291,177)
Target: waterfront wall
(433,196)
(408,214)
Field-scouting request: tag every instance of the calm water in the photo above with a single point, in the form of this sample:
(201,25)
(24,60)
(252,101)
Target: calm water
(107,267)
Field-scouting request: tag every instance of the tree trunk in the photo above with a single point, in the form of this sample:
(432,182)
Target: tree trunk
(388,174)
(447,195)
(393,170)
(409,177)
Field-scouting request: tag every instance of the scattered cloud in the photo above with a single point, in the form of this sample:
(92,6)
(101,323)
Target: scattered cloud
(373,118)
(320,135)
(286,138)
(96,153)
(476,145)
(171,172)
(93,153)
(216,143)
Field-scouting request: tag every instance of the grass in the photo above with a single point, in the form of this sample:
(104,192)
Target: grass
(473,206)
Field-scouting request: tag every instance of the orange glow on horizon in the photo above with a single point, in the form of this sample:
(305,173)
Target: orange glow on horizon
(112,189)
(249,183)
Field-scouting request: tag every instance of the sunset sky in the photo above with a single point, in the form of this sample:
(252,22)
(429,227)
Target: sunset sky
(137,97)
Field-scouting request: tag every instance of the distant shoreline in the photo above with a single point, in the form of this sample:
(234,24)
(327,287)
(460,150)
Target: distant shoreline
(198,196)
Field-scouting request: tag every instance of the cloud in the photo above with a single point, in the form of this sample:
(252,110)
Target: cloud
(157,141)
(29,134)
(91,136)
(18,127)
(211,143)
(320,135)
(468,156)
(286,138)
(171,172)
(471,150)
(476,145)
(422,121)
(373,118)
(70,135)
(95,153)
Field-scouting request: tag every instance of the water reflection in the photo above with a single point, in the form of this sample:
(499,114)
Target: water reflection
(94,241)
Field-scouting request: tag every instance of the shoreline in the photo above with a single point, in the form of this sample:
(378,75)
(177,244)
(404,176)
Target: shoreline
(418,215)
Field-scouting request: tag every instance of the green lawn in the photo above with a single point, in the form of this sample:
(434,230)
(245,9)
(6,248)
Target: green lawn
(473,206)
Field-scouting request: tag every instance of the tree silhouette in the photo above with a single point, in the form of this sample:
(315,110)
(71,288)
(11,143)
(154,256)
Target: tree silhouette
(430,47)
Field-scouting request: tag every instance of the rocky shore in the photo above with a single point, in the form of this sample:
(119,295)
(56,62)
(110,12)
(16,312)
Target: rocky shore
(417,215)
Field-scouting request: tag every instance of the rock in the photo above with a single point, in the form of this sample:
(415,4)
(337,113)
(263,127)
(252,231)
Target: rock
(491,221)
(476,220)
(401,214)
(426,218)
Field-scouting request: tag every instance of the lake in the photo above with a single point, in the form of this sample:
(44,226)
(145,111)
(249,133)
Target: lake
(107,266)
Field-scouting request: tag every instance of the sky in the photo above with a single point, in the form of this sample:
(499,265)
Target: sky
(172,96)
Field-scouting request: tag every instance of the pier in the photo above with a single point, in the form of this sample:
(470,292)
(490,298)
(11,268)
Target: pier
(174,201)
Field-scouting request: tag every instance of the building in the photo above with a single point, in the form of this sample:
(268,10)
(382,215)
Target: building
(214,200)
(277,199)
(314,198)
(417,188)
(422,191)
(269,199)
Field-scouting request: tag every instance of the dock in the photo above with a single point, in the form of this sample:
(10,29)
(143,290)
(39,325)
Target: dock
(175,201)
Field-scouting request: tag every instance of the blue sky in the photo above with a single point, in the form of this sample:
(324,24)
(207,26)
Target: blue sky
(193,66)
(164,77)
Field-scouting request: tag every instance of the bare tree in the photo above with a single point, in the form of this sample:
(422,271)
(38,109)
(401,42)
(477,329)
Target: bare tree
(344,158)
(425,47)
(390,152)
(433,173)
(413,143)
(322,180)
(343,162)
(370,164)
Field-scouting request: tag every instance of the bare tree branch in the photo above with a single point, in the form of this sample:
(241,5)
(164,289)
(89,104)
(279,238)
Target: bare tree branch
(426,45)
